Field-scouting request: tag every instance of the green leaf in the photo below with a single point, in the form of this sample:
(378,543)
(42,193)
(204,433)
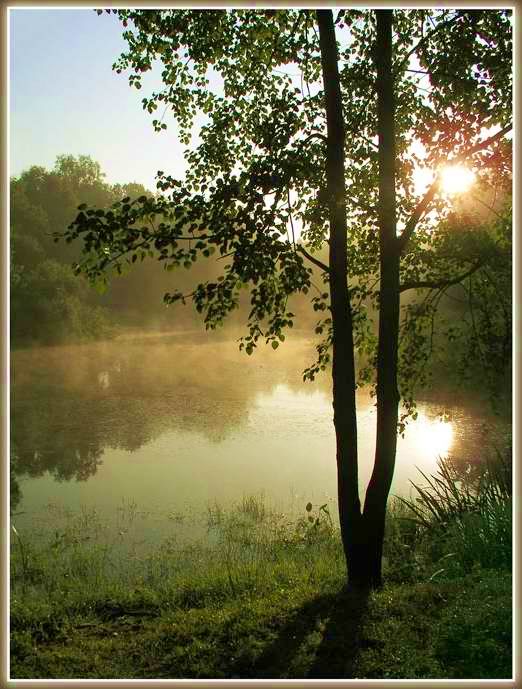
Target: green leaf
(100,286)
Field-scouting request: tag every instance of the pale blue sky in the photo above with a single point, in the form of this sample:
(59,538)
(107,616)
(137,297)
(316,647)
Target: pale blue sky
(65,98)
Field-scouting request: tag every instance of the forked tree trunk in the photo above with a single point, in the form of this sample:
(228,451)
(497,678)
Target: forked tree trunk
(362,534)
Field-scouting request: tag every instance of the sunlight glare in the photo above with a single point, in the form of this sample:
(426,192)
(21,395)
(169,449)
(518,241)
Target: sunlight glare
(433,435)
(422,178)
(456,179)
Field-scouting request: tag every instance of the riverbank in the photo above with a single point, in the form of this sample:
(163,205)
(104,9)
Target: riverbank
(265,599)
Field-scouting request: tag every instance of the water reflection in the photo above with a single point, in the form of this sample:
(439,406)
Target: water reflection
(164,420)
(70,405)
(432,436)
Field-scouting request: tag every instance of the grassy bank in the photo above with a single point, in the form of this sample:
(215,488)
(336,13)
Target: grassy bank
(265,598)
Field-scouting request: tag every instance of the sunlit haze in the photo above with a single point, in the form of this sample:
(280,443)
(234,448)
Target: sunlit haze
(434,437)
(456,179)
(260,403)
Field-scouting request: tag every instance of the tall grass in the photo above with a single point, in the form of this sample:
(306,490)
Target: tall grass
(250,547)
(467,521)
(451,526)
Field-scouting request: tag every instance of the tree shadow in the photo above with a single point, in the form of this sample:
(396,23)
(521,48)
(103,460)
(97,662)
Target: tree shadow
(338,619)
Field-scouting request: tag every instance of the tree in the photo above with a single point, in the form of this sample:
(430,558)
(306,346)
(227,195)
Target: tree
(44,290)
(292,134)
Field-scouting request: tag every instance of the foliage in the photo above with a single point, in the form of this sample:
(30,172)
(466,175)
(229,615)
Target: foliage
(258,171)
(464,330)
(50,306)
(487,324)
(47,304)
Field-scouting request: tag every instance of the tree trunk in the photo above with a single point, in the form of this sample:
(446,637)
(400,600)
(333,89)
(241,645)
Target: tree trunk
(343,363)
(389,305)
(362,534)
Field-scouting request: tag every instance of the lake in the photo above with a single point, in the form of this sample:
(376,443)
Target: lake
(172,424)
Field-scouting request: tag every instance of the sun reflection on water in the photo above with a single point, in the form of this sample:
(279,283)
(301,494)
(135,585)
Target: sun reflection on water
(433,437)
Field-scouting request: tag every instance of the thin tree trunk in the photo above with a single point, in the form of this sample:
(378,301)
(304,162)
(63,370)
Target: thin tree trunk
(343,363)
(389,305)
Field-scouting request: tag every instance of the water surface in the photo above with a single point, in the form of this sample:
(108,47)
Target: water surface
(177,423)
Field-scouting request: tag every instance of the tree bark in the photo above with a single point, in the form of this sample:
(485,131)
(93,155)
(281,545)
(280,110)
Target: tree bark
(389,305)
(343,362)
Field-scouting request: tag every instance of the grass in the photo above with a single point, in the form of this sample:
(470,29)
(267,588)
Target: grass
(264,597)
(466,521)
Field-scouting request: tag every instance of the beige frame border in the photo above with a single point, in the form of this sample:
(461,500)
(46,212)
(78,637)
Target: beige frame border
(4,348)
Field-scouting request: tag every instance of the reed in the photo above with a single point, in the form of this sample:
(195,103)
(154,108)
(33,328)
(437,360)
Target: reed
(468,519)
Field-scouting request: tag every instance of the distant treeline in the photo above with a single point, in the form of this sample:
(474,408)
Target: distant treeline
(50,305)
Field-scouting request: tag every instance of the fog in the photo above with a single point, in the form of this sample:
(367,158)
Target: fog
(181,421)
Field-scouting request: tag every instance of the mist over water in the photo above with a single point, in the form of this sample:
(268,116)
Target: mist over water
(176,423)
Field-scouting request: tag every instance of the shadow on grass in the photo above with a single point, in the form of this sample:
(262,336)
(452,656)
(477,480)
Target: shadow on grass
(337,620)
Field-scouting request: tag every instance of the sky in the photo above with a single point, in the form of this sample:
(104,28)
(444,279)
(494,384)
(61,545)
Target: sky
(65,98)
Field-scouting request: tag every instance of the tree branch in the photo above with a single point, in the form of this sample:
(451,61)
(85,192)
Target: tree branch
(440,284)
(290,216)
(426,37)
(193,238)
(312,259)
(486,205)
(313,135)
(419,211)
(482,144)
(107,261)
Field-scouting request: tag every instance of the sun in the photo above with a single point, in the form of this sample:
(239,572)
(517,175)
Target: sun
(456,179)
